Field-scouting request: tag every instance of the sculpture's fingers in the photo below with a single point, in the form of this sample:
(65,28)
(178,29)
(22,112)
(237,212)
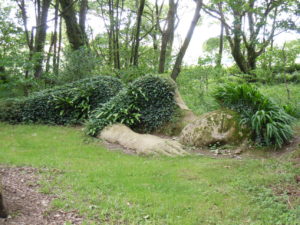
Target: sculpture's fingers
(172,150)
(176,148)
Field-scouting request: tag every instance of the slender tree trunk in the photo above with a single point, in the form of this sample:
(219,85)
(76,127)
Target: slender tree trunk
(167,35)
(59,44)
(111,33)
(156,31)
(271,56)
(35,42)
(49,53)
(117,31)
(221,47)
(28,35)
(54,59)
(114,32)
(137,33)
(169,50)
(155,43)
(110,48)
(128,38)
(284,72)
(40,37)
(178,62)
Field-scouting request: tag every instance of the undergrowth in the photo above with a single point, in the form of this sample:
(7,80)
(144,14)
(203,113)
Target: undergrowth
(270,124)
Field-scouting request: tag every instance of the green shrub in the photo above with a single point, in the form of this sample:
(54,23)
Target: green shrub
(67,104)
(130,74)
(270,124)
(292,109)
(287,77)
(78,64)
(262,75)
(11,110)
(144,105)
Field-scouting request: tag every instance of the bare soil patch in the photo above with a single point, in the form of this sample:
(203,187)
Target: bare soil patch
(25,204)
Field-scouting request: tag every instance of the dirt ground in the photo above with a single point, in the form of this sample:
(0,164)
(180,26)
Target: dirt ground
(25,204)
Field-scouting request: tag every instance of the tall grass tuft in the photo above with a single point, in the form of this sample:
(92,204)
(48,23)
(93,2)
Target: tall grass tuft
(270,123)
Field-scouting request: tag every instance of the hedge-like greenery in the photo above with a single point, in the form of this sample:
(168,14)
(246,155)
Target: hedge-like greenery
(67,104)
(270,123)
(144,105)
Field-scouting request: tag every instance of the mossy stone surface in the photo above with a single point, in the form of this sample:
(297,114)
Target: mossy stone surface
(220,126)
(181,118)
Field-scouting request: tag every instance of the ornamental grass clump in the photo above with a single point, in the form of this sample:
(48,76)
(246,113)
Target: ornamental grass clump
(270,124)
(146,104)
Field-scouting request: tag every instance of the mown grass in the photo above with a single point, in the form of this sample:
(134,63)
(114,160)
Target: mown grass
(109,187)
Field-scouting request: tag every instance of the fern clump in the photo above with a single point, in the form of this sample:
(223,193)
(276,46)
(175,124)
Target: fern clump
(270,123)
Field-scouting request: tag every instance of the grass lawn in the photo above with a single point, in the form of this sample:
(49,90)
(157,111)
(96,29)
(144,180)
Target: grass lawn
(109,187)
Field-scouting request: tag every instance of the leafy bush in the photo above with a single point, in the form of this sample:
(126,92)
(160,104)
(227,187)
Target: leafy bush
(131,73)
(67,104)
(78,64)
(292,109)
(144,105)
(11,110)
(270,124)
(287,77)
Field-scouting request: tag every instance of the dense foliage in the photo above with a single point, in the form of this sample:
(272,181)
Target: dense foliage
(270,124)
(144,105)
(67,104)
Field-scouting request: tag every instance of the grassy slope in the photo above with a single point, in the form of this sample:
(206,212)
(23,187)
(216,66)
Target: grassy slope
(113,188)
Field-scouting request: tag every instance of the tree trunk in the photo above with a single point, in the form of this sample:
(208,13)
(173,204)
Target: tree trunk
(178,62)
(59,44)
(128,39)
(284,72)
(221,47)
(167,36)
(254,39)
(49,53)
(54,59)
(29,37)
(117,42)
(251,58)
(236,48)
(137,33)
(82,14)
(239,59)
(113,33)
(40,38)
(271,56)
(75,35)
(154,38)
